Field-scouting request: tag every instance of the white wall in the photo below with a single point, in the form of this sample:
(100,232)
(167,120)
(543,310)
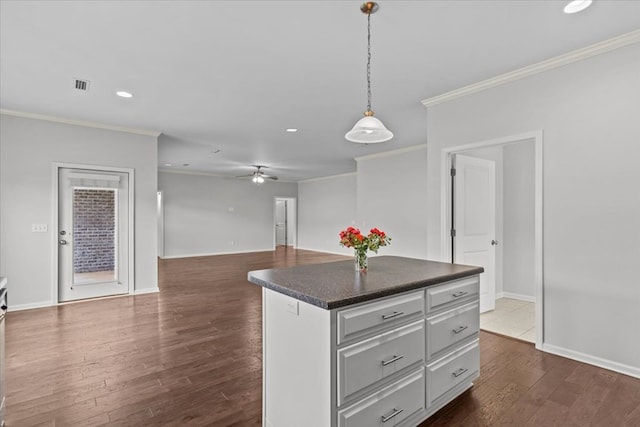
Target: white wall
(589,113)
(518,241)
(206,215)
(325,207)
(28,147)
(392,197)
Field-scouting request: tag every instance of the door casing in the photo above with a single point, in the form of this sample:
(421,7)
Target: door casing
(55,167)
(445,204)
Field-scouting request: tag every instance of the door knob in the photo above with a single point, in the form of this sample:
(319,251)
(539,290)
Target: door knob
(494,243)
(62,242)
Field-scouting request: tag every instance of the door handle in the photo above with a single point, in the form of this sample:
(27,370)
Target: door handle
(62,242)
(494,243)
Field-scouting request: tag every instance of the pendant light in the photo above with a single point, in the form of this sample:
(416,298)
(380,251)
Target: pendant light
(369,130)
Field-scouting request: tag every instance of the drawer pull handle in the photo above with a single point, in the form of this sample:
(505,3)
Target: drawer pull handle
(460,294)
(392,414)
(459,329)
(392,315)
(459,372)
(393,359)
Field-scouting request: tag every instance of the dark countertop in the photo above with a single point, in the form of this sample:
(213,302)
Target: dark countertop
(336,284)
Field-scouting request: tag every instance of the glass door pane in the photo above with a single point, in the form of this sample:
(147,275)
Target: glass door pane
(94,234)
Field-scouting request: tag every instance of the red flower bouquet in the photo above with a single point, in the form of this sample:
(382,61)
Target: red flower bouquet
(351,237)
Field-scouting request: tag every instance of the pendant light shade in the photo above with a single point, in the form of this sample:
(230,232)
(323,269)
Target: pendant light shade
(369,130)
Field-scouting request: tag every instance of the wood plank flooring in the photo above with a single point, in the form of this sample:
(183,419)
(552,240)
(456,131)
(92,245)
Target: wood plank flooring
(191,356)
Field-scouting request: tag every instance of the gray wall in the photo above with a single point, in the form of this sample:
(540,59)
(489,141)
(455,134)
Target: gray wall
(589,113)
(205,215)
(392,197)
(518,241)
(28,148)
(325,207)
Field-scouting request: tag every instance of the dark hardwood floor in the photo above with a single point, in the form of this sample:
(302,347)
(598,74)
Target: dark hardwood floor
(191,355)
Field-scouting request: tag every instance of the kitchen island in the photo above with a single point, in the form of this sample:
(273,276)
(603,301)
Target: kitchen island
(388,347)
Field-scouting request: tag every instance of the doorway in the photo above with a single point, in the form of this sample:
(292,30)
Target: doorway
(285,222)
(94,210)
(509,246)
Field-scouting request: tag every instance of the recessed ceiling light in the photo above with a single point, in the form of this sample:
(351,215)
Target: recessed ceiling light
(577,6)
(292,130)
(167,164)
(124,94)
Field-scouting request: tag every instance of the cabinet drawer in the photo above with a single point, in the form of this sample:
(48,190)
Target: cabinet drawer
(357,321)
(451,327)
(454,369)
(388,407)
(451,294)
(367,362)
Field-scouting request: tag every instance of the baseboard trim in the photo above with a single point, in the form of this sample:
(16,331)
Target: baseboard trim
(43,304)
(216,253)
(518,296)
(20,307)
(146,291)
(323,251)
(632,371)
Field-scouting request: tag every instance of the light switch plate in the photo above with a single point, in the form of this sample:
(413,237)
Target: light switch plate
(39,228)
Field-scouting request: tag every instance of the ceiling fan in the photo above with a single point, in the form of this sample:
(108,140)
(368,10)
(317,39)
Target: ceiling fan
(258,176)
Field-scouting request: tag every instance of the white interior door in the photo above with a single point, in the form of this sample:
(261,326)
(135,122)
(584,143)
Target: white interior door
(281,223)
(475,221)
(93,233)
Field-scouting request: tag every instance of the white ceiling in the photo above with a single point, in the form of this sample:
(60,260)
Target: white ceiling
(233,75)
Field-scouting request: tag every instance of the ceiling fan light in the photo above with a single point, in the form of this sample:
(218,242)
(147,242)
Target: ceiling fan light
(257,179)
(369,130)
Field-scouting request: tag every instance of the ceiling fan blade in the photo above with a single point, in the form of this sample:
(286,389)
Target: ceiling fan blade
(245,176)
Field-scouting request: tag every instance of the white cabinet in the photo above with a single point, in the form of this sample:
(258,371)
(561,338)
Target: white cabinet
(375,316)
(447,329)
(452,370)
(362,364)
(388,407)
(392,361)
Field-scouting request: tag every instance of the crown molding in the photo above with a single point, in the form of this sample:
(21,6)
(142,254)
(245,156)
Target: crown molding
(74,122)
(392,152)
(540,67)
(324,178)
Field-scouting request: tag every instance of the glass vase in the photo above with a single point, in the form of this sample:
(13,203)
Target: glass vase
(360,261)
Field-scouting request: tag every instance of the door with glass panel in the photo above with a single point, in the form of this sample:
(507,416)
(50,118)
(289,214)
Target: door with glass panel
(93,233)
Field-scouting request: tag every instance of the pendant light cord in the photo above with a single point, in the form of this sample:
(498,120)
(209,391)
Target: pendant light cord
(369,62)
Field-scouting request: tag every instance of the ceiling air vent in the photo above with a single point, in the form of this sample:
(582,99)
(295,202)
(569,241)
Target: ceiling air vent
(82,85)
